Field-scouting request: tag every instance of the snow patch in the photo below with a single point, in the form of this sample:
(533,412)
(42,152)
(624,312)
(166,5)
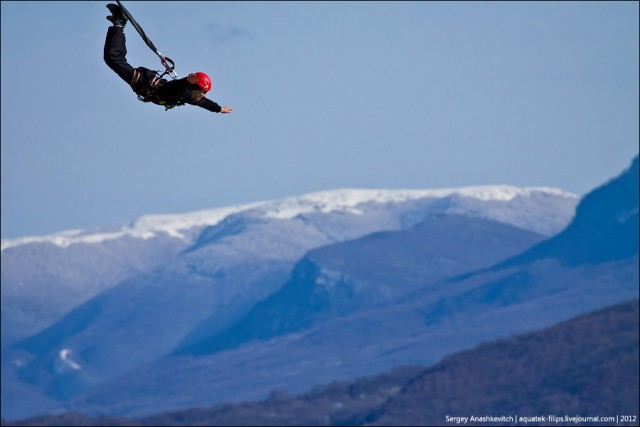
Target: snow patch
(327,278)
(65,357)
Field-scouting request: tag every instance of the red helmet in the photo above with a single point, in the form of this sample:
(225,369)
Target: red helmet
(203,81)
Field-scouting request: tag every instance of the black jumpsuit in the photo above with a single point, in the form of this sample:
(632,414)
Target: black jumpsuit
(168,93)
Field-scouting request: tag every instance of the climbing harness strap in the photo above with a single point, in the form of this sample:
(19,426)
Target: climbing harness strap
(144,90)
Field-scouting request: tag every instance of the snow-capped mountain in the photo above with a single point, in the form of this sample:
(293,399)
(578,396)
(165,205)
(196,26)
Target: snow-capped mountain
(422,327)
(344,200)
(103,302)
(45,277)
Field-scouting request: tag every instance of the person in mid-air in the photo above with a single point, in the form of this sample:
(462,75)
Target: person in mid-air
(145,82)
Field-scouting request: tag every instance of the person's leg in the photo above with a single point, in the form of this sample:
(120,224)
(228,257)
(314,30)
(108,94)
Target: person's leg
(115,52)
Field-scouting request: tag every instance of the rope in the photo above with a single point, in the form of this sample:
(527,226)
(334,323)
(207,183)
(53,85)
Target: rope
(163,59)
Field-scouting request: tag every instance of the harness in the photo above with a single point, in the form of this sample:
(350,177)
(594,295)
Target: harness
(147,91)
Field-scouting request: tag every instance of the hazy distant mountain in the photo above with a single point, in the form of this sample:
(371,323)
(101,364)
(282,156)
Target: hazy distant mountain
(202,272)
(431,322)
(374,271)
(41,282)
(585,366)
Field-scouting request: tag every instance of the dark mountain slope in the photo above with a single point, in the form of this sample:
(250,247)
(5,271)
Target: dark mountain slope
(585,366)
(605,227)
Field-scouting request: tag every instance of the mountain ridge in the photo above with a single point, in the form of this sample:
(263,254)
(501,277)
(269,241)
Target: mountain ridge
(148,226)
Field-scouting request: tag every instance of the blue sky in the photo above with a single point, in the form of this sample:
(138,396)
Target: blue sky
(326,95)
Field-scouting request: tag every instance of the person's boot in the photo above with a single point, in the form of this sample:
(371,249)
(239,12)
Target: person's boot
(117,17)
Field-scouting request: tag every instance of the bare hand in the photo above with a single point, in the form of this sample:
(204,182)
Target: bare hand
(226,110)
